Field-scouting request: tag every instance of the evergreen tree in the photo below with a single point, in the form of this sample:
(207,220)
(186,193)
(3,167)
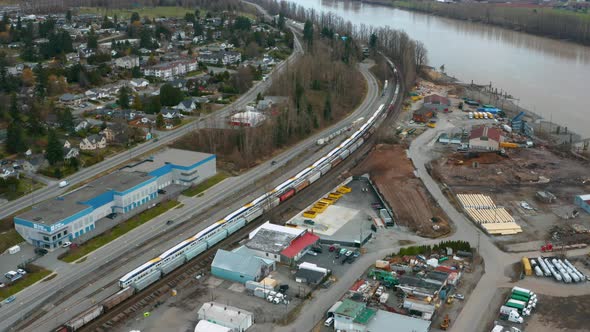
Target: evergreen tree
(69,15)
(92,42)
(13,110)
(137,102)
(123,99)
(160,121)
(135,17)
(54,152)
(66,119)
(170,96)
(308,33)
(14,138)
(35,126)
(153,106)
(328,109)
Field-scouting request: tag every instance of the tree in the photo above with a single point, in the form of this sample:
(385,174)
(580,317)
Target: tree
(92,42)
(28,77)
(328,109)
(137,102)
(373,41)
(69,15)
(13,110)
(308,33)
(259,97)
(153,106)
(15,139)
(160,121)
(35,126)
(135,17)
(281,21)
(170,96)
(242,23)
(54,152)
(123,99)
(66,119)
(197,13)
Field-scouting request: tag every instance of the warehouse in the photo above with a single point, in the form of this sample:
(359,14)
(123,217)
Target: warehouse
(583,201)
(205,326)
(240,266)
(280,243)
(437,103)
(485,138)
(67,217)
(236,319)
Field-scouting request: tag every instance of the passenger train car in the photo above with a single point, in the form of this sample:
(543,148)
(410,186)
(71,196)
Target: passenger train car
(174,257)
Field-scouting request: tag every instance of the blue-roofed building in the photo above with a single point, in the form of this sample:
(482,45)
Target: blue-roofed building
(67,217)
(240,266)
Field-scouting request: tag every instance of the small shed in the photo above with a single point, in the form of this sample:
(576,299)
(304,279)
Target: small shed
(422,115)
(583,201)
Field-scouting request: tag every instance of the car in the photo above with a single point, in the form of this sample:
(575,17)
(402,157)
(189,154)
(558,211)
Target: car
(348,253)
(21,271)
(317,249)
(112,215)
(274,162)
(351,259)
(169,222)
(199,276)
(525,206)
(66,244)
(2,285)
(459,296)
(338,255)
(332,248)
(356,254)
(161,191)
(344,260)
(41,251)
(313,253)
(10,299)
(343,251)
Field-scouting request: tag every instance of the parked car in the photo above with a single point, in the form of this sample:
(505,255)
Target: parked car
(66,244)
(332,248)
(348,253)
(2,285)
(460,296)
(41,251)
(525,206)
(161,191)
(317,249)
(112,215)
(356,254)
(21,271)
(313,253)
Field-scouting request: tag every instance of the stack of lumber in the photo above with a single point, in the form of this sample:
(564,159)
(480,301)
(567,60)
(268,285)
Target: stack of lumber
(494,220)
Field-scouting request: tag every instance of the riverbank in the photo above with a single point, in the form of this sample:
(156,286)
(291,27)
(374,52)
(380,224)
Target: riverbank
(533,19)
(545,130)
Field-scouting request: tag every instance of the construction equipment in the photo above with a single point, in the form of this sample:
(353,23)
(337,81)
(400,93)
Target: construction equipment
(384,276)
(445,323)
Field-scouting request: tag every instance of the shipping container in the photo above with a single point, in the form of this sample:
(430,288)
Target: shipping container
(117,298)
(336,161)
(288,194)
(302,185)
(314,177)
(84,318)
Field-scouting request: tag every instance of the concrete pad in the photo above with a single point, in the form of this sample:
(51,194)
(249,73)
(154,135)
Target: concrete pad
(237,287)
(329,221)
(213,282)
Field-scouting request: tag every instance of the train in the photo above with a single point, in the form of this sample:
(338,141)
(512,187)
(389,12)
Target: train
(154,269)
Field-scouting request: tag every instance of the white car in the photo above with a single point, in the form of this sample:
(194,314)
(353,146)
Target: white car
(66,244)
(313,253)
(21,271)
(525,206)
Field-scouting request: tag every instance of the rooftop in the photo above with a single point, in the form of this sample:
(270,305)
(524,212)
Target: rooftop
(236,261)
(364,316)
(218,312)
(270,241)
(350,308)
(93,194)
(311,276)
(299,244)
(205,326)
(177,157)
(436,99)
(484,133)
(384,320)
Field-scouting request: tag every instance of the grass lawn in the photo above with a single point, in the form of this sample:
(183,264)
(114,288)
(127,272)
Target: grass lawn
(25,186)
(9,238)
(35,274)
(151,12)
(201,187)
(117,231)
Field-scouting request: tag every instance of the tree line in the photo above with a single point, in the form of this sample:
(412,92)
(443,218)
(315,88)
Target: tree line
(407,53)
(540,21)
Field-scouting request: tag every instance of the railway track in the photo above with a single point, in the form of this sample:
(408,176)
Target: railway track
(155,294)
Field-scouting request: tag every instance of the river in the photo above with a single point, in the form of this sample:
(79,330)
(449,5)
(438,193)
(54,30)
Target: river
(549,77)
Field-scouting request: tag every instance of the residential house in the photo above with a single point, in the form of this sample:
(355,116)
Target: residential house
(179,83)
(169,114)
(187,105)
(82,125)
(222,57)
(72,57)
(127,62)
(109,134)
(71,153)
(139,83)
(94,94)
(71,99)
(67,144)
(171,69)
(93,142)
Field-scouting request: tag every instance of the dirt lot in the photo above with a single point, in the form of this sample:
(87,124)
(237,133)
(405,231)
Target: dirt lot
(393,174)
(523,166)
(561,314)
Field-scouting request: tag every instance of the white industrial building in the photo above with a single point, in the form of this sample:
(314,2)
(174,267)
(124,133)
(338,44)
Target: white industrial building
(206,326)
(65,218)
(236,319)
(247,119)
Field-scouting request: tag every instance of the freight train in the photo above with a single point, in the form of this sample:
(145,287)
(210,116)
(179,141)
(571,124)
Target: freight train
(154,269)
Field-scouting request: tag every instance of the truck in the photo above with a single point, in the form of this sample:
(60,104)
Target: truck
(509,145)
(510,314)
(523,291)
(520,306)
(13,250)
(528,271)
(63,184)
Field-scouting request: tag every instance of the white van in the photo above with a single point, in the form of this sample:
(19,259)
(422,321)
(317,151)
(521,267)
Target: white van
(63,184)
(329,321)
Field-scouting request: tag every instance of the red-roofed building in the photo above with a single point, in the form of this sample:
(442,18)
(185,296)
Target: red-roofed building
(485,138)
(299,246)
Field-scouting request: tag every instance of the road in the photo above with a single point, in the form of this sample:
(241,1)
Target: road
(76,277)
(12,207)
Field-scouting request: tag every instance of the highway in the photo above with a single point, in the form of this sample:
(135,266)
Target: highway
(109,263)
(12,207)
